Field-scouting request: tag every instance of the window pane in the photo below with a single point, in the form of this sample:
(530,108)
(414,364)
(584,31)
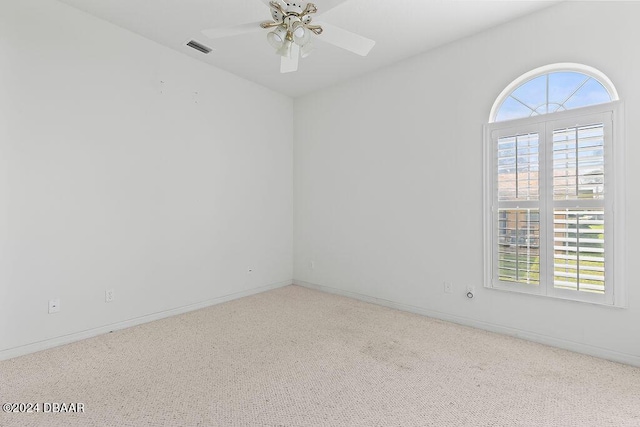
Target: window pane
(578,249)
(591,93)
(563,86)
(512,109)
(533,94)
(518,167)
(578,163)
(519,245)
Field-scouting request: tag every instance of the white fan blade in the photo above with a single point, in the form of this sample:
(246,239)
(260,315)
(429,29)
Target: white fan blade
(325,5)
(322,5)
(288,65)
(345,39)
(282,3)
(218,33)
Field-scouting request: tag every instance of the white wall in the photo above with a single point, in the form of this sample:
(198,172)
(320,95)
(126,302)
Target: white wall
(111,179)
(388,177)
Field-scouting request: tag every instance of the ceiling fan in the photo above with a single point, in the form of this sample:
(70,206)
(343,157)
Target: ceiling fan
(293,31)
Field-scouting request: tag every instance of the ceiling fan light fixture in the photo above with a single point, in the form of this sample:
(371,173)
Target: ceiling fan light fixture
(303,39)
(285,50)
(300,33)
(277,37)
(292,30)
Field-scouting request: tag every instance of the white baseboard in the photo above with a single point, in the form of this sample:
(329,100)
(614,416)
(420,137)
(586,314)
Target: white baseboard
(66,339)
(602,353)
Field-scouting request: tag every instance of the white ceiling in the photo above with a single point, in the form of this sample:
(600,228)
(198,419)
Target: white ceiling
(401,28)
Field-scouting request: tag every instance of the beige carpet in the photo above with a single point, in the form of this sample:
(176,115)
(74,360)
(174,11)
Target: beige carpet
(297,357)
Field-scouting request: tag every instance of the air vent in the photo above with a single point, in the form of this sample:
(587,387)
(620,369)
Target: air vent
(199,47)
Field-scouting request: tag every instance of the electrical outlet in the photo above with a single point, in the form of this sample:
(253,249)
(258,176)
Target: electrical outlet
(109,295)
(448,288)
(312,265)
(54,305)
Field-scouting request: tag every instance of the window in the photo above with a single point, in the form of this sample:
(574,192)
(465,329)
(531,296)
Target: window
(554,187)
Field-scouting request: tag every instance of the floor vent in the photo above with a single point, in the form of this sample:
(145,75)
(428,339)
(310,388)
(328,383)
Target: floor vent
(199,47)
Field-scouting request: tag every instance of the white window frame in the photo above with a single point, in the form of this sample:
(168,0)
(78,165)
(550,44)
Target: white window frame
(612,114)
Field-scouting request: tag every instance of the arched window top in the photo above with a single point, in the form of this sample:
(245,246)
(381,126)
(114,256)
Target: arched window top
(553,88)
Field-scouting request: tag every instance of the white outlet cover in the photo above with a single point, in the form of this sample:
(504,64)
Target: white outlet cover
(109,295)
